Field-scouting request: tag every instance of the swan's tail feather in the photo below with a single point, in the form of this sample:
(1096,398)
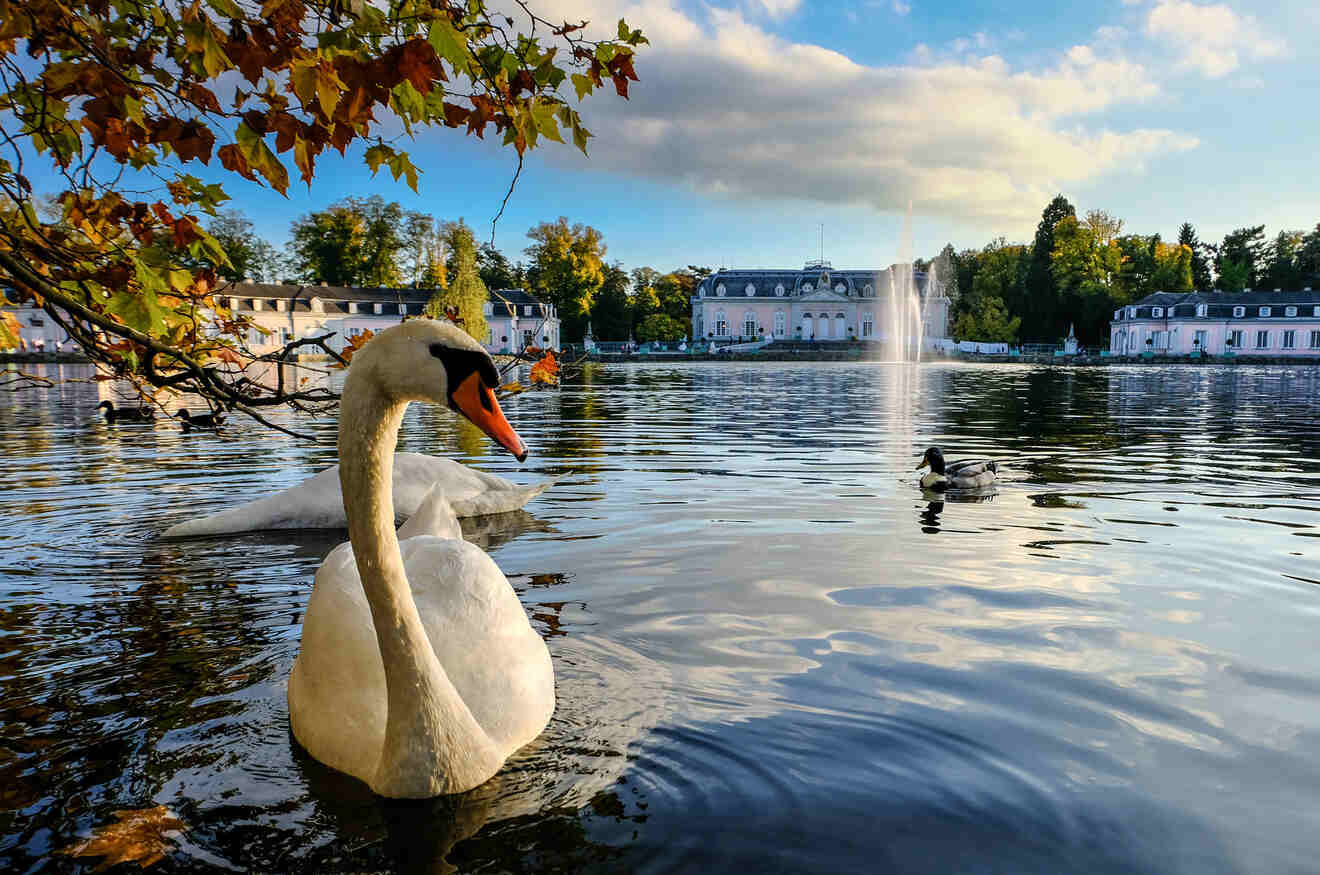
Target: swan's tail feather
(501,500)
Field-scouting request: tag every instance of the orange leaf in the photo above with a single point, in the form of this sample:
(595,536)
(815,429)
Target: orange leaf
(138,836)
(355,342)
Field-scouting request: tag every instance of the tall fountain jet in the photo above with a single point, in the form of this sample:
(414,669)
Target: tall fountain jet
(906,309)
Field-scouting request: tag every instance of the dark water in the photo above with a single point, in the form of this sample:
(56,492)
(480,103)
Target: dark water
(772,653)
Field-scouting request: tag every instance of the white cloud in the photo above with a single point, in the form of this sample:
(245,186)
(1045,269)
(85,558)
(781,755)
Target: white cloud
(725,106)
(778,8)
(901,8)
(1212,39)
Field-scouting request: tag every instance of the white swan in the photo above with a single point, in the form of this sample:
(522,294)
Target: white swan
(316,503)
(418,672)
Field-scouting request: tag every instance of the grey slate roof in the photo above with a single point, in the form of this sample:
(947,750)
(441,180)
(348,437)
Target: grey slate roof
(794,282)
(1219,305)
(335,299)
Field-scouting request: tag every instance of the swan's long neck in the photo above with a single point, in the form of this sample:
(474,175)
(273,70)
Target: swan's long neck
(432,742)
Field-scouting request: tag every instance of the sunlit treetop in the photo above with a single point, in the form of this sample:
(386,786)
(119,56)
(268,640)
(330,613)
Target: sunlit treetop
(124,99)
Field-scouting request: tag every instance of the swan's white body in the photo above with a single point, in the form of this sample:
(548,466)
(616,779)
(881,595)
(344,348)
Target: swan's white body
(318,503)
(419,672)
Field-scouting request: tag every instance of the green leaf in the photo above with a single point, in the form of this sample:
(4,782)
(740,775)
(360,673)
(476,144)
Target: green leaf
(543,116)
(582,85)
(139,309)
(449,43)
(401,165)
(378,155)
(214,59)
(624,33)
(408,102)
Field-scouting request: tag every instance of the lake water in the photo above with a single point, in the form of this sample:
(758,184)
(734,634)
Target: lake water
(772,653)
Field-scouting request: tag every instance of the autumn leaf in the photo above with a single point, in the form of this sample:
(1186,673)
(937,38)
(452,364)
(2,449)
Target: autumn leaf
(9,331)
(355,342)
(137,836)
(546,371)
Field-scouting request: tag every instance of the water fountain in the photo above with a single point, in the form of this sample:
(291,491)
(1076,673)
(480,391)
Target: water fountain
(907,308)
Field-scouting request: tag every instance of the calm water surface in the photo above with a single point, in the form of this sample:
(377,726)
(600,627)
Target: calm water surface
(773,654)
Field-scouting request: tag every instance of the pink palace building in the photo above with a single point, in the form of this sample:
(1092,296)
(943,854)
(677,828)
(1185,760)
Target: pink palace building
(1277,324)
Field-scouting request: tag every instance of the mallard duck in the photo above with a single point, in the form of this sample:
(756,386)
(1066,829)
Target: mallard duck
(206,420)
(126,414)
(967,474)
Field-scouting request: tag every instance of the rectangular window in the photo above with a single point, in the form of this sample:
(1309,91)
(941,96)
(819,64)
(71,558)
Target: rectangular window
(1198,342)
(403,309)
(749,328)
(868,327)
(1290,311)
(1156,312)
(721,328)
(1201,309)
(1262,340)
(1239,312)
(1315,340)
(1289,340)
(1264,311)
(528,339)
(1161,340)
(1236,339)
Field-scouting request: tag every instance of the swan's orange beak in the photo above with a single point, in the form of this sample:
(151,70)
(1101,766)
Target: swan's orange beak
(476,401)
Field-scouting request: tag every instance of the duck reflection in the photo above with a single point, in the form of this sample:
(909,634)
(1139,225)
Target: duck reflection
(929,517)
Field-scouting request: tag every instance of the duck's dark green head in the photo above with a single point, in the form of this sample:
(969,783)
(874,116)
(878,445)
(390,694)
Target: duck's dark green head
(106,404)
(182,413)
(934,458)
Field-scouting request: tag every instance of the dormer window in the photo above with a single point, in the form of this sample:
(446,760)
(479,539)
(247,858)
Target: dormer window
(1315,311)
(280,304)
(750,290)
(1290,311)
(1132,312)
(1264,311)
(527,309)
(701,291)
(233,303)
(840,288)
(806,287)
(487,309)
(720,290)
(1239,312)
(1156,312)
(352,306)
(779,290)
(403,309)
(1201,309)
(258,304)
(316,305)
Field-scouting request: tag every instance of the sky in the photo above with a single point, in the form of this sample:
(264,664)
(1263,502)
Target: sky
(757,121)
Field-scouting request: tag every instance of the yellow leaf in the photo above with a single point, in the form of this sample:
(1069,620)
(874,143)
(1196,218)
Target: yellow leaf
(9,331)
(138,836)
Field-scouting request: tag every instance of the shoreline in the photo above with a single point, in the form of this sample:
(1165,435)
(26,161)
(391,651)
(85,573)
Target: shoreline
(845,355)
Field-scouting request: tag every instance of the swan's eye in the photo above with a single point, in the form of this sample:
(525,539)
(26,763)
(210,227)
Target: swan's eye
(461,363)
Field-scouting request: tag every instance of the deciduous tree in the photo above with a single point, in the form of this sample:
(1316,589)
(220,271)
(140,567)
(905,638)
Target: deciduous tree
(567,270)
(466,292)
(124,98)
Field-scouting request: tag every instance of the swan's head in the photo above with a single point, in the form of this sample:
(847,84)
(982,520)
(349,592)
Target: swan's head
(435,360)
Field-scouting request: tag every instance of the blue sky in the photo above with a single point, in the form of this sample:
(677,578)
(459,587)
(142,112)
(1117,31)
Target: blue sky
(757,120)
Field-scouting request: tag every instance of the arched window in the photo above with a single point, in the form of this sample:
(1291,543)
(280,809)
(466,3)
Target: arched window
(806,287)
(779,290)
(841,288)
(750,289)
(868,324)
(720,290)
(781,322)
(749,324)
(721,324)
(868,291)
(840,326)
